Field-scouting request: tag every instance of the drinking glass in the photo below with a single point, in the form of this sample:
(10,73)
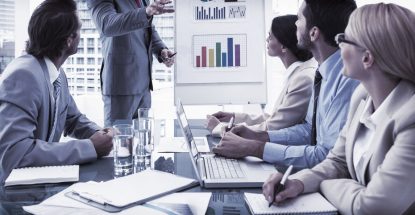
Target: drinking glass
(123,143)
(143,139)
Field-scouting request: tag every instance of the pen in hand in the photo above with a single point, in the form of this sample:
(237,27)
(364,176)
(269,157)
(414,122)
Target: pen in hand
(280,186)
(169,56)
(172,55)
(230,124)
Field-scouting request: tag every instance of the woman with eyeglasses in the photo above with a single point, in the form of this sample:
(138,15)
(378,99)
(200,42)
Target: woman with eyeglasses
(371,169)
(291,105)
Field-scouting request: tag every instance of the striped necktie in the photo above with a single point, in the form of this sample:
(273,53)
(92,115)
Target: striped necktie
(317,85)
(56,94)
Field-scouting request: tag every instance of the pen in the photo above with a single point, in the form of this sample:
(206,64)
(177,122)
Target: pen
(230,124)
(172,54)
(169,56)
(280,186)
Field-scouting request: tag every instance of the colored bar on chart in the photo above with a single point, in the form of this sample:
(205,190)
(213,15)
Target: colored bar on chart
(237,55)
(211,58)
(224,59)
(197,61)
(204,52)
(218,54)
(230,52)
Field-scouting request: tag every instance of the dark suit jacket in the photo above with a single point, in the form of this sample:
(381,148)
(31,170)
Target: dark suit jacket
(128,42)
(26,120)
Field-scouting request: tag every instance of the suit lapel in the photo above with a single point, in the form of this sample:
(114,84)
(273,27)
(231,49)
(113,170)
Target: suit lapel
(280,97)
(279,101)
(351,137)
(50,90)
(404,92)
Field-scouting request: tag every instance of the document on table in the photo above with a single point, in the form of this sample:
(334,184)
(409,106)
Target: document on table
(178,144)
(121,193)
(60,204)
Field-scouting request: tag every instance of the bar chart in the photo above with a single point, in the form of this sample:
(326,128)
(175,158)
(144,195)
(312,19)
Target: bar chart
(210,13)
(220,50)
(204,13)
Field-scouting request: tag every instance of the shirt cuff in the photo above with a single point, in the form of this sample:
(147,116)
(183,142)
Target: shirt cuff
(277,136)
(273,152)
(88,151)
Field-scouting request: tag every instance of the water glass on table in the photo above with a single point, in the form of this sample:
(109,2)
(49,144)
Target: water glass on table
(143,139)
(123,145)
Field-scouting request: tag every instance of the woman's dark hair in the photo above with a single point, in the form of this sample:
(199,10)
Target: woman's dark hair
(283,28)
(330,16)
(51,24)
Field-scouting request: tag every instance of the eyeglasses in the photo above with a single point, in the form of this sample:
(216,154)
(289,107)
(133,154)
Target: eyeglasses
(341,38)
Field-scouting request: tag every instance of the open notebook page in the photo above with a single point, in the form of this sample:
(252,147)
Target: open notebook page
(304,204)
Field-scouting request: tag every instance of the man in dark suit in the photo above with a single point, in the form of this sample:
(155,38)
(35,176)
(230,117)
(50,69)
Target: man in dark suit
(129,41)
(35,104)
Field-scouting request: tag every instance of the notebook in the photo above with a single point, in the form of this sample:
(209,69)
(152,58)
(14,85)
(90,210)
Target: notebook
(45,174)
(313,203)
(128,191)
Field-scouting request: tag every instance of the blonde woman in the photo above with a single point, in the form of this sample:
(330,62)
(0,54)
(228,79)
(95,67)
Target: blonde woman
(291,106)
(370,170)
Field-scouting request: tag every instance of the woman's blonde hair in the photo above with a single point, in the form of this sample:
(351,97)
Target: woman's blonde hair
(388,32)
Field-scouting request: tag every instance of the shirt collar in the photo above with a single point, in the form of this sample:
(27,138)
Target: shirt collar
(371,118)
(53,71)
(328,64)
(292,67)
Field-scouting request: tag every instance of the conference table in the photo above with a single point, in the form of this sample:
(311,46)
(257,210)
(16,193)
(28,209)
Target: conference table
(223,201)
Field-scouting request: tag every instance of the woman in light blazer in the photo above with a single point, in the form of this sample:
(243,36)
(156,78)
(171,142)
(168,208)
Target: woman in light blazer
(371,169)
(291,106)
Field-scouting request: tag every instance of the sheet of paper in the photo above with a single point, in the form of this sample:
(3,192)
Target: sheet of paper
(133,188)
(60,204)
(178,144)
(198,202)
(171,144)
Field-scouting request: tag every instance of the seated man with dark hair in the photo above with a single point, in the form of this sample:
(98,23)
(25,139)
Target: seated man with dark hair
(35,104)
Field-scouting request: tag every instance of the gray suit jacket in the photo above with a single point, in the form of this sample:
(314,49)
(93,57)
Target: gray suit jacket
(128,41)
(26,120)
(389,186)
(291,106)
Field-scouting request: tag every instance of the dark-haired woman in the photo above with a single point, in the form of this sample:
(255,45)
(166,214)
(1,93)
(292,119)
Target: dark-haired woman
(291,106)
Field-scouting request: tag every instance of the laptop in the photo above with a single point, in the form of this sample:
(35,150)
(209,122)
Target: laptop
(220,172)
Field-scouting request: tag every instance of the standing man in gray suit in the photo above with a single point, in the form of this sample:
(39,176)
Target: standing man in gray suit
(129,41)
(35,104)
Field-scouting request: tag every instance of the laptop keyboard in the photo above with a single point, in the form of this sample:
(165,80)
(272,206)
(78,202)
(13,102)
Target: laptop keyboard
(223,168)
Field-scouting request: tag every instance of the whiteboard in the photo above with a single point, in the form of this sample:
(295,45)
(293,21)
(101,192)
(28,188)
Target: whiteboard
(220,48)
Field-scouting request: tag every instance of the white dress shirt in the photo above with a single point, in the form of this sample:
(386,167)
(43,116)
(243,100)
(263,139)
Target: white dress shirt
(53,71)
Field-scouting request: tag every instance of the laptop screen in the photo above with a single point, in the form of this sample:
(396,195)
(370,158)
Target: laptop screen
(181,116)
